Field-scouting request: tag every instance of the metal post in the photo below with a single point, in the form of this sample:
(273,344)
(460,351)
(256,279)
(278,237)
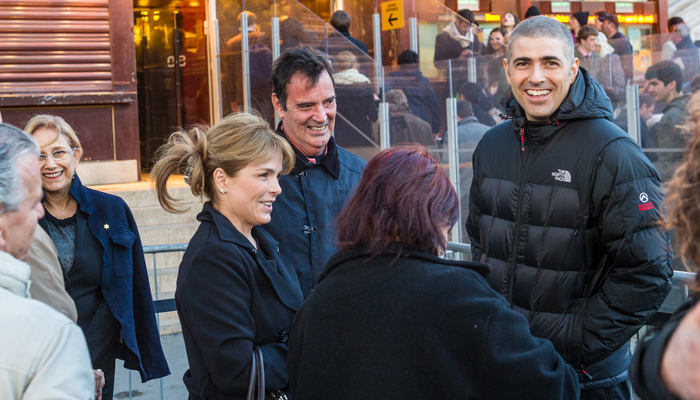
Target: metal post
(245,66)
(179,109)
(413,32)
(453,152)
(377,30)
(211,28)
(632,94)
(471,74)
(384,134)
(275,51)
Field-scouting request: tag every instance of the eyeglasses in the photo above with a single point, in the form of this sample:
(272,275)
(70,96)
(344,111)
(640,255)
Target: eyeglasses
(57,155)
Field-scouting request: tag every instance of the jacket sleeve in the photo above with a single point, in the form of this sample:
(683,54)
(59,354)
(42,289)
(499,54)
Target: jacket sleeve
(146,329)
(216,303)
(646,366)
(634,276)
(63,368)
(474,217)
(531,364)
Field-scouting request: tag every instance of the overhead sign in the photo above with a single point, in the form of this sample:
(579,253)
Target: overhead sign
(392,15)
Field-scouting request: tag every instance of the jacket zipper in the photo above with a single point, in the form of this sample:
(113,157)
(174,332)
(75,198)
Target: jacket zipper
(516,234)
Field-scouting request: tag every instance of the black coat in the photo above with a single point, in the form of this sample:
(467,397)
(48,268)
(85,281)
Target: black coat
(417,327)
(356,106)
(645,371)
(570,227)
(231,297)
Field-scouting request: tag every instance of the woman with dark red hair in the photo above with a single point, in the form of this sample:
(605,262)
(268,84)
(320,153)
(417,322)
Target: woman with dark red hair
(391,319)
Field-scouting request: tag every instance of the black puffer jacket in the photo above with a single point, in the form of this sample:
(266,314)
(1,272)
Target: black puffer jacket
(569,224)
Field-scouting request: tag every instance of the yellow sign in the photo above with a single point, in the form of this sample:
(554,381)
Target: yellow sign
(392,15)
(492,17)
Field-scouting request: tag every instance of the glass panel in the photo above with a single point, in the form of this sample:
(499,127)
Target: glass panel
(171,61)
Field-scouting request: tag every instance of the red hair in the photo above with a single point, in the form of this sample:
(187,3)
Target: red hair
(404,196)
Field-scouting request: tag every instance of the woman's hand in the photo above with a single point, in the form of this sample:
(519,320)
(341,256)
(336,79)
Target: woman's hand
(680,363)
(99,383)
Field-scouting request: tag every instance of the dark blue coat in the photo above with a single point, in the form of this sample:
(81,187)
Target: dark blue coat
(420,95)
(231,297)
(303,215)
(124,279)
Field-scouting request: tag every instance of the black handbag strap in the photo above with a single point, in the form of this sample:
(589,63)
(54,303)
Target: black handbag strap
(256,384)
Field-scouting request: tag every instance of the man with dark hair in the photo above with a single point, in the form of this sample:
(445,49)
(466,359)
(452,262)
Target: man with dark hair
(609,25)
(324,175)
(420,94)
(565,208)
(664,82)
(340,20)
(457,39)
(588,58)
(669,46)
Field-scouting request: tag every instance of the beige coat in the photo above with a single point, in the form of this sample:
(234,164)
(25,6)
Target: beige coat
(43,354)
(47,278)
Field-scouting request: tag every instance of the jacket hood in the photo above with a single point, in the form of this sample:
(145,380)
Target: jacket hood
(14,275)
(586,100)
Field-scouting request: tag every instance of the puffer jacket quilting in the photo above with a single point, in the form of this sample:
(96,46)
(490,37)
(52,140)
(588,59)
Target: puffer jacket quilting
(571,230)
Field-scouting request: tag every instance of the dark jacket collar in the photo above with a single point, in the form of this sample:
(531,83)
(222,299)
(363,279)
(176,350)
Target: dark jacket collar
(330,161)
(678,102)
(686,44)
(344,256)
(285,285)
(81,195)
(586,100)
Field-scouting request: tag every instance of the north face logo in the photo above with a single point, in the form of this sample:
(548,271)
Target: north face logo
(562,175)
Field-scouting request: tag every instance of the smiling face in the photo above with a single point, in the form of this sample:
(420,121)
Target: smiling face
(496,40)
(309,118)
(660,92)
(539,75)
(249,194)
(56,176)
(17,227)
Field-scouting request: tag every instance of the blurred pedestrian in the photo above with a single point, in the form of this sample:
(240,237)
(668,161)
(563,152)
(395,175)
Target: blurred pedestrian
(509,21)
(43,354)
(392,319)
(664,82)
(101,257)
(577,21)
(404,127)
(235,290)
(457,39)
(340,20)
(532,11)
(420,94)
(609,25)
(668,365)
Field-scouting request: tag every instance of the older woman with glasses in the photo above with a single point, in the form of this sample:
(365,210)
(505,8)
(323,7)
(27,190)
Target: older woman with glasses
(100,252)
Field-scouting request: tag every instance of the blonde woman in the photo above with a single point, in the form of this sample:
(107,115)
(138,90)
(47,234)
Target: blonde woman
(101,256)
(235,290)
